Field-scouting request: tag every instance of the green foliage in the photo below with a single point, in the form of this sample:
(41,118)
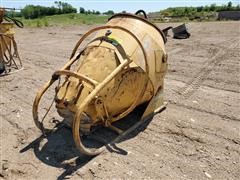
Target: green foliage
(32,11)
(81,10)
(45,22)
(109,12)
(13,13)
(39,23)
(65,20)
(196,12)
(97,12)
(229,5)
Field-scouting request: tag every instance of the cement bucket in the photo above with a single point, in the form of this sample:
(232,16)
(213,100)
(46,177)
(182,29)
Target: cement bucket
(122,67)
(9,57)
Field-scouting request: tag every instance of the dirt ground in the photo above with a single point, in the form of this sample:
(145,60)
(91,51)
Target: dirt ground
(196,137)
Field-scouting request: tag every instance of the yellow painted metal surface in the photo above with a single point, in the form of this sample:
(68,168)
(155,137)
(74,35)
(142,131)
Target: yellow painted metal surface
(9,57)
(121,67)
(7,32)
(7,28)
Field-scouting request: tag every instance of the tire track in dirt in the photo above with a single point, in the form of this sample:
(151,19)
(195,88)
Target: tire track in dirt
(205,85)
(178,130)
(196,81)
(155,132)
(205,111)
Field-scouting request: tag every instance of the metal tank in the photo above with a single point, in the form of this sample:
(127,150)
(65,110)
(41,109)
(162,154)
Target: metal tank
(122,67)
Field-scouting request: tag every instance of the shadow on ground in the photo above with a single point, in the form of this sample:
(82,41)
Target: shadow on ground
(58,148)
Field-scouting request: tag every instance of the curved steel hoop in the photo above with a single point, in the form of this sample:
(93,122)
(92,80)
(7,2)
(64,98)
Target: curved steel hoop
(112,27)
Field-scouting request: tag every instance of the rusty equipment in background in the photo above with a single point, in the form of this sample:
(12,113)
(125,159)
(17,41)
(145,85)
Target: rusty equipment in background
(9,57)
(122,67)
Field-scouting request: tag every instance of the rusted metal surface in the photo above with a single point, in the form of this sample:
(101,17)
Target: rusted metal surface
(122,67)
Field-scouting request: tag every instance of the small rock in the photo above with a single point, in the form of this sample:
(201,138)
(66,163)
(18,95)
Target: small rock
(130,173)
(94,163)
(5,166)
(80,174)
(157,155)
(195,102)
(15,110)
(192,120)
(18,114)
(4,174)
(91,171)
(208,175)
(18,171)
(129,152)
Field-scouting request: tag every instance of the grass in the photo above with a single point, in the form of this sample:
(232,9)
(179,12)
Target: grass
(78,19)
(65,20)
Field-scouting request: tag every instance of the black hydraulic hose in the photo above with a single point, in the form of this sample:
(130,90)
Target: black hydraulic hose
(15,21)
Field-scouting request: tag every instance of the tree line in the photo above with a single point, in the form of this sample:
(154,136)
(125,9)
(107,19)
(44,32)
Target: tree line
(33,11)
(36,11)
(83,11)
(193,11)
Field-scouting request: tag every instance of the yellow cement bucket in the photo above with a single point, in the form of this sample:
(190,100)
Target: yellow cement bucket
(122,67)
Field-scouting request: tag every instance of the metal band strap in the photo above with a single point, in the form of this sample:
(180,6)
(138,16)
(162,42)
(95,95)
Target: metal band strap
(114,43)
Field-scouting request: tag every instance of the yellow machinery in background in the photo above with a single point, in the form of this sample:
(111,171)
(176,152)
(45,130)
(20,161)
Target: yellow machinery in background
(122,67)
(9,57)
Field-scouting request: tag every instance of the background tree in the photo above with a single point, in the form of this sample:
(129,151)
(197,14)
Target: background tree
(229,5)
(97,12)
(32,11)
(81,10)
(109,12)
